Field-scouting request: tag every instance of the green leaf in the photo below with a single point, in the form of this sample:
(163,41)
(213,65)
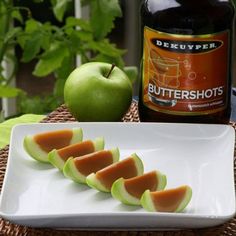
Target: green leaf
(131,72)
(51,60)
(77,22)
(8,92)
(59,8)
(61,74)
(47,26)
(46,42)
(84,36)
(47,35)
(66,68)
(21,39)
(103,14)
(12,33)
(17,15)
(32,26)
(6,126)
(75,41)
(106,48)
(33,105)
(38,104)
(32,46)
(78,41)
(59,88)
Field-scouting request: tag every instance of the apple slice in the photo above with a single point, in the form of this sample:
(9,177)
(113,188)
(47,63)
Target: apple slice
(59,157)
(130,191)
(127,168)
(79,168)
(38,146)
(171,200)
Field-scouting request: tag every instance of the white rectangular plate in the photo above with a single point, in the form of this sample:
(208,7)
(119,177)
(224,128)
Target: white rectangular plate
(201,156)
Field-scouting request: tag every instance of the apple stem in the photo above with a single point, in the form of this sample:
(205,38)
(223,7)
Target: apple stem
(112,68)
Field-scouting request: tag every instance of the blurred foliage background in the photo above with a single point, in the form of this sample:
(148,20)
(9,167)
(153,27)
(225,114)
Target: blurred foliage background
(53,45)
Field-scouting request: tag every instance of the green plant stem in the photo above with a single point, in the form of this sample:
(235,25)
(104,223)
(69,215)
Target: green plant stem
(15,68)
(23,8)
(109,73)
(5,28)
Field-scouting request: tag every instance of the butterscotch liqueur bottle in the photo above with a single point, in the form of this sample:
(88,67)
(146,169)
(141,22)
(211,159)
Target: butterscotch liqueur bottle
(186,61)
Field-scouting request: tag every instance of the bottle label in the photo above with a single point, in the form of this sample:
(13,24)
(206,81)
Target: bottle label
(185,74)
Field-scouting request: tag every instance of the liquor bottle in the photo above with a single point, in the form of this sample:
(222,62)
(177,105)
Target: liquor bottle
(186,69)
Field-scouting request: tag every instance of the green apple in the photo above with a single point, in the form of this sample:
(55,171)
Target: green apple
(98,91)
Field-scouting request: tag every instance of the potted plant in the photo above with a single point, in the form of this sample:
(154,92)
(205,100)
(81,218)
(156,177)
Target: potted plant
(55,48)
